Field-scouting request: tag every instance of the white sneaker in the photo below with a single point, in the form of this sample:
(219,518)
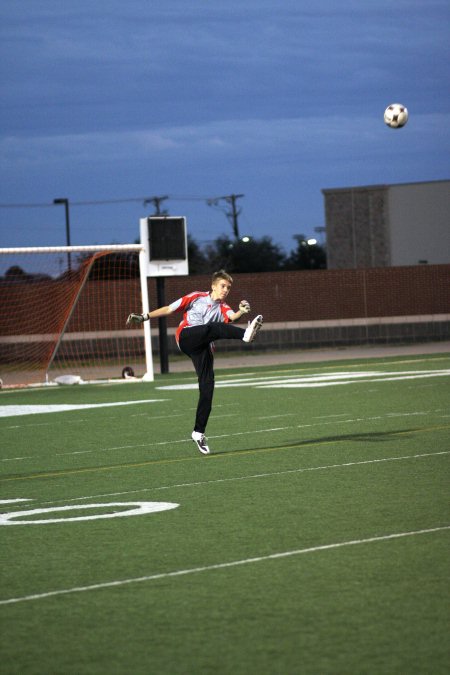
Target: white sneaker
(252,328)
(200,440)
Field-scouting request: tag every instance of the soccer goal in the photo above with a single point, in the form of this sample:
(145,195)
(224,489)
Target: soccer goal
(63,315)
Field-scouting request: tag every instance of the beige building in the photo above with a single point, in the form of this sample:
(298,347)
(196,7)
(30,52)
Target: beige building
(388,225)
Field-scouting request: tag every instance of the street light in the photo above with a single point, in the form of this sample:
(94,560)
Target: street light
(65,202)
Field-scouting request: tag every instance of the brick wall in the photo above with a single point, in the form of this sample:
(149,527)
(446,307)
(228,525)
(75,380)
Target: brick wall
(335,307)
(330,294)
(304,308)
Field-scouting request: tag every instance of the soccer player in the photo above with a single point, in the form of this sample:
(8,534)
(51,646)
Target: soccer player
(206,317)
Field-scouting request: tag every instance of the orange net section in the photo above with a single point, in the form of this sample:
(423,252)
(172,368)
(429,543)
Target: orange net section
(65,314)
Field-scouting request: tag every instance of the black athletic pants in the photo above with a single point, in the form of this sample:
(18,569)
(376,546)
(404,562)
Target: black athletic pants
(195,342)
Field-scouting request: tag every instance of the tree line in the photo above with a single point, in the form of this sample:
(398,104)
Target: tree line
(254,255)
(245,255)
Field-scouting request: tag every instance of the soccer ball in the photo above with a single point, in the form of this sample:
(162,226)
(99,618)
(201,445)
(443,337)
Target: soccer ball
(127,373)
(396,115)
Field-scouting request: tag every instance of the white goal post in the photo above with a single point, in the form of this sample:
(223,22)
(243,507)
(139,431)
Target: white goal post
(64,310)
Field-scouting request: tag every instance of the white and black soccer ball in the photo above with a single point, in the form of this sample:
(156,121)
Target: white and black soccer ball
(396,115)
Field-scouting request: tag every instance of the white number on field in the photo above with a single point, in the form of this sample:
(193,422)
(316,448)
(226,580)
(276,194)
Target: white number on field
(114,510)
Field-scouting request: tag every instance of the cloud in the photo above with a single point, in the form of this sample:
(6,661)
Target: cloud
(272,98)
(308,137)
(193,51)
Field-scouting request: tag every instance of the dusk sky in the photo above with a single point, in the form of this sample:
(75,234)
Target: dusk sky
(117,101)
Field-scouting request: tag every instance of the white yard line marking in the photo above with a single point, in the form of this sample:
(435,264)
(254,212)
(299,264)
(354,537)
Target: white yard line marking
(173,442)
(79,420)
(229,435)
(304,470)
(17,459)
(299,384)
(269,379)
(248,477)
(220,566)
(324,417)
(314,380)
(273,417)
(157,417)
(13,410)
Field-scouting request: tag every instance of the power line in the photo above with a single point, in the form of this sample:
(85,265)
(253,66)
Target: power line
(99,202)
(24,206)
(232,214)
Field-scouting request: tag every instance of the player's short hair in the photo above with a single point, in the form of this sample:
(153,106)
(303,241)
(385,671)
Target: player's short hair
(221,274)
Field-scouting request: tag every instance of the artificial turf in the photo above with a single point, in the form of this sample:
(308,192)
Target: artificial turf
(314,538)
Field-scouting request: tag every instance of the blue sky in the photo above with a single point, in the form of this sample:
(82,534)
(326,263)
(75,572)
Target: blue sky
(273,99)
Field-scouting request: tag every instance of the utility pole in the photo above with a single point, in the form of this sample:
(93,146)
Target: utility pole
(232,214)
(161,295)
(157,201)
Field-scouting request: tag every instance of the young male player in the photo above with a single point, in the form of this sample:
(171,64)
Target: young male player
(206,317)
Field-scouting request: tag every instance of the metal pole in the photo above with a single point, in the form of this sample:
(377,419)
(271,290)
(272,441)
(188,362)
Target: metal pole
(65,202)
(161,297)
(149,374)
(162,324)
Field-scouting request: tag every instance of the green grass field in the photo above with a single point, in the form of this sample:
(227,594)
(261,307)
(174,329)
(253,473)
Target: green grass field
(315,538)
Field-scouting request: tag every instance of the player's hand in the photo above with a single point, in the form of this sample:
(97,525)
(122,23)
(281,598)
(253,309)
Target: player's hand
(244,307)
(135,318)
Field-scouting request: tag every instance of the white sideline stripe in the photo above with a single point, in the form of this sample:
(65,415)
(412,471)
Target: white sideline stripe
(321,380)
(15,410)
(219,566)
(290,385)
(248,477)
(14,501)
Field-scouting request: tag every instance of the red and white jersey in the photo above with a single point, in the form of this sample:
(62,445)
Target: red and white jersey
(199,308)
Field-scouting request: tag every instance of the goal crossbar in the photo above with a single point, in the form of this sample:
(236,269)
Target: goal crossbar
(72,249)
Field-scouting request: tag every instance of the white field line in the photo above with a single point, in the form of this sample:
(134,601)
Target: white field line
(253,476)
(313,380)
(221,566)
(15,410)
(57,421)
(17,459)
(188,440)
(237,381)
(303,385)
(229,435)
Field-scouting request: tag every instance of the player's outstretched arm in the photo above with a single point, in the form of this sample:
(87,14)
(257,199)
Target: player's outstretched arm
(140,318)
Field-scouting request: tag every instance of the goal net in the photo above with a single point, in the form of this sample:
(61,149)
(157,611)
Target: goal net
(63,315)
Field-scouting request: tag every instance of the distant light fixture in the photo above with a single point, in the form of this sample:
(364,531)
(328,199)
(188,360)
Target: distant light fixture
(311,242)
(245,239)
